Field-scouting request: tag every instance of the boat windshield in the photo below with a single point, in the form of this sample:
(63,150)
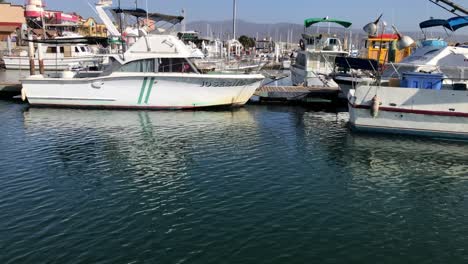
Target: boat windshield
(166,65)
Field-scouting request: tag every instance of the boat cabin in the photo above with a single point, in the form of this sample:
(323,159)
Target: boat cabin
(383,48)
(321,42)
(152,65)
(62,51)
(68,51)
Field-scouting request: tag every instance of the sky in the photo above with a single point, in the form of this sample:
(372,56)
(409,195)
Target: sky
(406,14)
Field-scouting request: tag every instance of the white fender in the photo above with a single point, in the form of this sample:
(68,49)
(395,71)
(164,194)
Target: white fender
(375,106)
(23,94)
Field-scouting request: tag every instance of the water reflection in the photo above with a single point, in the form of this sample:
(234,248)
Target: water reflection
(258,184)
(154,143)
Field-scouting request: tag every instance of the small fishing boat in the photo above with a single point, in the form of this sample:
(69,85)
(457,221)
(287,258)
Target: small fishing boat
(315,60)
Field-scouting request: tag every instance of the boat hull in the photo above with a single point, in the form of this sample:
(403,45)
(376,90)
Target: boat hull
(143,91)
(301,77)
(410,111)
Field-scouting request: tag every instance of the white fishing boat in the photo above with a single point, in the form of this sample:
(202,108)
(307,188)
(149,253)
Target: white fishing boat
(155,73)
(425,94)
(315,60)
(417,111)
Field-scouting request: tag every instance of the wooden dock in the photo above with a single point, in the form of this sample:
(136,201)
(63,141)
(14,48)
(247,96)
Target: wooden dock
(296,94)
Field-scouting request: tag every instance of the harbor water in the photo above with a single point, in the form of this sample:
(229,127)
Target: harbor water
(260,184)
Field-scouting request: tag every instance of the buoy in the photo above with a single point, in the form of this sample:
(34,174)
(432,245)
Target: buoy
(375,106)
(23,94)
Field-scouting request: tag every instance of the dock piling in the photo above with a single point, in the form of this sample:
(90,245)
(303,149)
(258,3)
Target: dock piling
(32,69)
(40,57)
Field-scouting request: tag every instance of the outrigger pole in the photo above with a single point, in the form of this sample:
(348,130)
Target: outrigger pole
(451,4)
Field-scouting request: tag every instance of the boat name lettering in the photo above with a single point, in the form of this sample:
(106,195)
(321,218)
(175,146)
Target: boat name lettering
(223,83)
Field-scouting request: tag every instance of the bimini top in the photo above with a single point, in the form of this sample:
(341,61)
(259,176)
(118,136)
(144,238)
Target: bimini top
(311,21)
(156,17)
(458,22)
(435,23)
(452,24)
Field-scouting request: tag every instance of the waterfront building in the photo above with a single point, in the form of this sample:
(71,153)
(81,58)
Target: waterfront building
(90,28)
(11,18)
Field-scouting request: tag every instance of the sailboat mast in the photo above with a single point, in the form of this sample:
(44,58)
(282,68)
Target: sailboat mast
(234,18)
(121,26)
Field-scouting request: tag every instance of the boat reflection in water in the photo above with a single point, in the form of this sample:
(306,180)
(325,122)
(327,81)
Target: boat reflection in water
(393,159)
(149,143)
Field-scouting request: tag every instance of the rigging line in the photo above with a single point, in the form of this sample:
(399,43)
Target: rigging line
(92,7)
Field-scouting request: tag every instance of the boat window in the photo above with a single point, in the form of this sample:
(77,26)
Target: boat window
(175,65)
(138,66)
(376,45)
(51,50)
(333,42)
(83,49)
(431,51)
(301,60)
(62,50)
(77,49)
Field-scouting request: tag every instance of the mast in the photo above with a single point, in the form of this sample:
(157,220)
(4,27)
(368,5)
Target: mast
(234,18)
(124,47)
(184,26)
(113,31)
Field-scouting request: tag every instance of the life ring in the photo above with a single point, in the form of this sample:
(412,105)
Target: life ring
(302,44)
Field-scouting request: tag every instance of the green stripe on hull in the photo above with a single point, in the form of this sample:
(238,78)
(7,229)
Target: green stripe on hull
(142,92)
(149,91)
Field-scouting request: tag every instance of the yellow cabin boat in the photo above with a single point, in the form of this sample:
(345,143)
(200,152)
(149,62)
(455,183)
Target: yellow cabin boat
(384,49)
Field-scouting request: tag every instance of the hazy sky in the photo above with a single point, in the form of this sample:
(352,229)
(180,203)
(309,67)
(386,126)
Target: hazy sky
(406,14)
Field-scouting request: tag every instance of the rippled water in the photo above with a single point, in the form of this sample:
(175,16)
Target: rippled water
(255,185)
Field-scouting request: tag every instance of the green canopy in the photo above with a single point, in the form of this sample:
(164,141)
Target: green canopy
(309,22)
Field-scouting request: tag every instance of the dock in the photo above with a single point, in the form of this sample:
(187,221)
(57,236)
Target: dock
(297,94)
